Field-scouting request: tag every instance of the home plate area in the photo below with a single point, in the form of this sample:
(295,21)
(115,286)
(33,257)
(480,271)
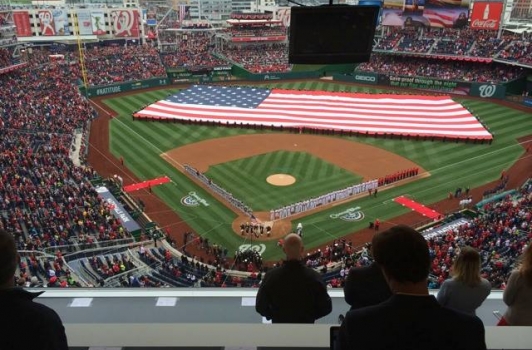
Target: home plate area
(420,208)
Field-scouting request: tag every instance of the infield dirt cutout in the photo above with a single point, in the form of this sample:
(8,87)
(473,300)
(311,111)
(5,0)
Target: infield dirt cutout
(365,160)
(281,180)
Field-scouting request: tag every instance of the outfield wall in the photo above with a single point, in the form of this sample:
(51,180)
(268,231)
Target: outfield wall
(484,90)
(103,90)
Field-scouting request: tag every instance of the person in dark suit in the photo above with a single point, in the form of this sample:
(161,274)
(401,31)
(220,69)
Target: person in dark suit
(366,286)
(293,293)
(411,318)
(25,324)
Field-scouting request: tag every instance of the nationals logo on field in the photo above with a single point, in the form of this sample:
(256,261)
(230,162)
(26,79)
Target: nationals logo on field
(486,15)
(259,248)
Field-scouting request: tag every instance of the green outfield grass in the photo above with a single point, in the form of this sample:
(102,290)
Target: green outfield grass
(314,177)
(451,165)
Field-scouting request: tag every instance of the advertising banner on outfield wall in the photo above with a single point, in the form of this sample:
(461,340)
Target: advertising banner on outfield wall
(366,77)
(84,22)
(426,13)
(486,15)
(426,83)
(123,87)
(22,22)
(528,102)
(46,21)
(125,23)
(488,90)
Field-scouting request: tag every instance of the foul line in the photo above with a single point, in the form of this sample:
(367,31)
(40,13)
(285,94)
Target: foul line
(160,151)
(481,156)
(322,230)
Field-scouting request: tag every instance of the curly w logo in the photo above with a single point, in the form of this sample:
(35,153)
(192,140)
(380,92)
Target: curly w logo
(125,23)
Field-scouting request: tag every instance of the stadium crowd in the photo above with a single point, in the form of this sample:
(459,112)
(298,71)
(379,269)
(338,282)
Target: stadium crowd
(519,51)
(260,58)
(193,51)
(500,232)
(263,31)
(448,70)
(111,64)
(457,42)
(6,59)
(46,201)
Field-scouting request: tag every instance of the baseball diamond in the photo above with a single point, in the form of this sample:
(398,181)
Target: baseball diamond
(145,147)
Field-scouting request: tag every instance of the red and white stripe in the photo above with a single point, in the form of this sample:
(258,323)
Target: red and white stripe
(438,18)
(374,114)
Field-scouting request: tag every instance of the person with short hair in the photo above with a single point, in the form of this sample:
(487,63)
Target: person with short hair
(466,291)
(25,323)
(366,286)
(518,293)
(292,292)
(411,318)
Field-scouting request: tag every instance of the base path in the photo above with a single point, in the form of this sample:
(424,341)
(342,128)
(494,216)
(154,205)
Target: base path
(365,160)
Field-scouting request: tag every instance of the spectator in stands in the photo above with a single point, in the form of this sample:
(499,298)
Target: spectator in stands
(411,318)
(25,324)
(366,286)
(293,293)
(518,293)
(466,291)
(393,65)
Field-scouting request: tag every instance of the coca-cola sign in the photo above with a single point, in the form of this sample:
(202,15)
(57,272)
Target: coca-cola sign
(484,24)
(486,15)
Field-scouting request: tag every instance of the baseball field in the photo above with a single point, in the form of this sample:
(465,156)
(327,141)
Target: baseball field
(242,160)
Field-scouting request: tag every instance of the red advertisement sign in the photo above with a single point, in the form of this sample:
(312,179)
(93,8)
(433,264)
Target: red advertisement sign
(126,23)
(46,19)
(22,22)
(264,38)
(486,15)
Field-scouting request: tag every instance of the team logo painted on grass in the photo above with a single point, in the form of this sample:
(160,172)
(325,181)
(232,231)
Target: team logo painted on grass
(260,248)
(350,214)
(193,200)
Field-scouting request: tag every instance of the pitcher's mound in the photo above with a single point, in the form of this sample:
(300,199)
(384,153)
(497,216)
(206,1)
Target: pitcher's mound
(281,180)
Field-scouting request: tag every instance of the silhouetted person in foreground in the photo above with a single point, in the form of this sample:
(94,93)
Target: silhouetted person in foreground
(24,324)
(366,286)
(293,293)
(411,318)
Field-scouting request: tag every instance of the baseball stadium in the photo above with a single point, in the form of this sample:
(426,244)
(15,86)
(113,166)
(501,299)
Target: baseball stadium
(155,151)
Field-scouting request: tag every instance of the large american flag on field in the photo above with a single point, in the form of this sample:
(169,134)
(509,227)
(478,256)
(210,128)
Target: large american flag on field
(371,113)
